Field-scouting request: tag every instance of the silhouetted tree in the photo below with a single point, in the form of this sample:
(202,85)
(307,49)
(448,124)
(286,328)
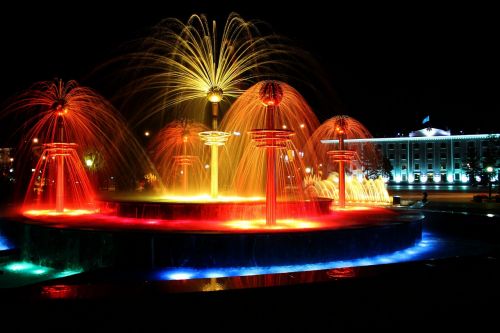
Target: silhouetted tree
(472,165)
(491,158)
(376,165)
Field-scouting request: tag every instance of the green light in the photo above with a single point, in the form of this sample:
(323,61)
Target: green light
(39,271)
(19,266)
(67,272)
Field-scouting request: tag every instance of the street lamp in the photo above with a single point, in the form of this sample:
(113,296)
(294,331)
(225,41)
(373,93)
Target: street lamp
(489,170)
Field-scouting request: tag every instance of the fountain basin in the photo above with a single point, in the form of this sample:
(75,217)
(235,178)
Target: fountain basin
(97,241)
(217,210)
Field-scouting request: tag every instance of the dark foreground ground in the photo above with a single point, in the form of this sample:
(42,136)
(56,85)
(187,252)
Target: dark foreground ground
(457,287)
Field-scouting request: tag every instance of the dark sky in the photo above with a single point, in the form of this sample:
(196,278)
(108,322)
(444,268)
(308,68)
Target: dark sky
(389,66)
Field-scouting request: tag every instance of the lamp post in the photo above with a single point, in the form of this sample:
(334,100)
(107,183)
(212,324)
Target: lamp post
(489,170)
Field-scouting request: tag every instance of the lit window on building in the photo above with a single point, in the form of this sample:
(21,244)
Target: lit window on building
(403,167)
(443,166)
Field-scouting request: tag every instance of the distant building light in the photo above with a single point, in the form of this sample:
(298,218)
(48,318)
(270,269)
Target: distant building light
(89,162)
(284,126)
(308,170)
(236,133)
(302,125)
(411,179)
(397,179)
(32,170)
(449,178)
(35,140)
(11,159)
(207,166)
(11,170)
(146,133)
(465,179)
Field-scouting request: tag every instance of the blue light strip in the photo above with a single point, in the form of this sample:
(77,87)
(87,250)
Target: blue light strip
(4,244)
(426,245)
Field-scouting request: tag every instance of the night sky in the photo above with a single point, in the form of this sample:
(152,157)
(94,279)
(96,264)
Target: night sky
(388,67)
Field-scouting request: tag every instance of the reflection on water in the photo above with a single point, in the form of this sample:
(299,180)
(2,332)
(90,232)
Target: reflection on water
(59,291)
(342,273)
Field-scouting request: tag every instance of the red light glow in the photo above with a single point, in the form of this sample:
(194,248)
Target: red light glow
(337,219)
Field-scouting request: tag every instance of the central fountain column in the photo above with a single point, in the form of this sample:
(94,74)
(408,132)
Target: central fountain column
(60,182)
(271,172)
(270,138)
(59,158)
(341,174)
(214,139)
(342,156)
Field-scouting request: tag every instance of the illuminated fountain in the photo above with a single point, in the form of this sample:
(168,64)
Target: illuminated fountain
(214,139)
(65,121)
(272,139)
(270,125)
(196,66)
(148,232)
(178,153)
(255,110)
(189,62)
(59,184)
(360,191)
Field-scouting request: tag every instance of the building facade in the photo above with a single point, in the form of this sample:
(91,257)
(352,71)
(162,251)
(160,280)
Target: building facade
(431,155)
